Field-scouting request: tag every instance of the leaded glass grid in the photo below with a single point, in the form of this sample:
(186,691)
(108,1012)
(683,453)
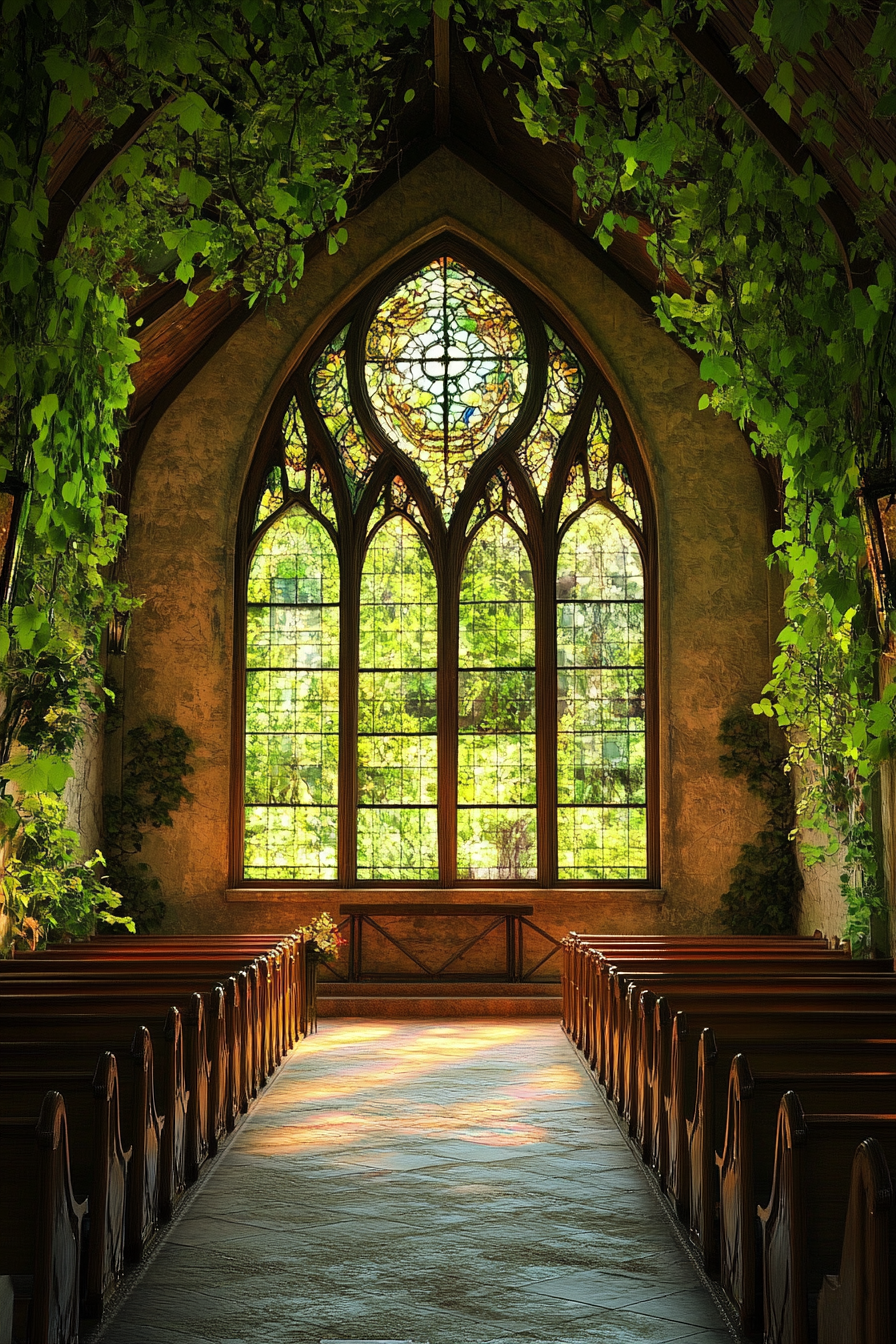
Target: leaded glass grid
(447,369)
(397,745)
(292,703)
(601,739)
(496,789)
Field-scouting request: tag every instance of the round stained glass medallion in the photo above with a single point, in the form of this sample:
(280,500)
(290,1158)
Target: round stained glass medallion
(445,364)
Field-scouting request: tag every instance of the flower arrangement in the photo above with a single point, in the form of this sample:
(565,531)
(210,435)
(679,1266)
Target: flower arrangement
(322,937)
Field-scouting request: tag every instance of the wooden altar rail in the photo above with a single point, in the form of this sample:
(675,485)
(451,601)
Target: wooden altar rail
(136,1056)
(695,1042)
(513,917)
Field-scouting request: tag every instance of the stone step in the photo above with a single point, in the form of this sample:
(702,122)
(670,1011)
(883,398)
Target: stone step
(549,989)
(426,1005)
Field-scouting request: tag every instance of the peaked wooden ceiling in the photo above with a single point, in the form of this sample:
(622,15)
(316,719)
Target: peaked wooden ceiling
(457,106)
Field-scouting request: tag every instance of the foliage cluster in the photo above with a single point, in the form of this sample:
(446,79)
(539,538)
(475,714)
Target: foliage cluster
(766,880)
(152,787)
(268,120)
(47,891)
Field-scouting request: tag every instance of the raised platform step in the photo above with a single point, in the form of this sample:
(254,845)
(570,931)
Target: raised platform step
(549,989)
(420,999)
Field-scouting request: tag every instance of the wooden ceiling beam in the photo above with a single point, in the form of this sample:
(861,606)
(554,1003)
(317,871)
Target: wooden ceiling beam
(87,171)
(716,62)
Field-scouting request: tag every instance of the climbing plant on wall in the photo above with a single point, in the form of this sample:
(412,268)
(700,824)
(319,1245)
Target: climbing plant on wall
(269,119)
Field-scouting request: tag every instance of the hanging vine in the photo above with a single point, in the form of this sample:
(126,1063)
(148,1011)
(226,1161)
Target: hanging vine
(268,120)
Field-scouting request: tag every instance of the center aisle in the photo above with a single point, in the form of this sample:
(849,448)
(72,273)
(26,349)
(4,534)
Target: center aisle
(457,1182)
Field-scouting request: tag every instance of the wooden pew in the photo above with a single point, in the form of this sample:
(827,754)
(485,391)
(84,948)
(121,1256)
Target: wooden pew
(704,994)
(802,1226)
(289,947)
(859,1303)
(578,970)
(78,1018)
(43,1242)
(615,996)
(280,995)
(672,1075)
(98,1159)
(180,981)
(745,1163)
(141,1123)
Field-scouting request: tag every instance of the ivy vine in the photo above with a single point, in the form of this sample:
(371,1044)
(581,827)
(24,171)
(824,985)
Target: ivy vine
(268,121)
(153,772)
(766,879)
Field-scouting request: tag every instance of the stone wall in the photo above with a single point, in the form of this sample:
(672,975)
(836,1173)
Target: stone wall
(714,596)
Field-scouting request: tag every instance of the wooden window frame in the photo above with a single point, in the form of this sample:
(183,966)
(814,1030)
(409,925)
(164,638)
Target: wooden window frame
(447,548)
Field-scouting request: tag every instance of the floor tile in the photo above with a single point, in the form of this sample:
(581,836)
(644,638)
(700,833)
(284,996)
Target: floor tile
(450,1183)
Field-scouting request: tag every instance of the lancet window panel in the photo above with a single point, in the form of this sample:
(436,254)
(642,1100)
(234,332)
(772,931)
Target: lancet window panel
(447,639)
(292,703)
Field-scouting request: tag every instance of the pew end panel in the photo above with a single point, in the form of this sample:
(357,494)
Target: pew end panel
(855,1303)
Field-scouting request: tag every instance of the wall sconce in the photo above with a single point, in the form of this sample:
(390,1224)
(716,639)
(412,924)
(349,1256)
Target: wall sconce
(117,634)
(13,496)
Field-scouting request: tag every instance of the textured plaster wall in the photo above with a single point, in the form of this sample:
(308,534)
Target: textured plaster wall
(714,596)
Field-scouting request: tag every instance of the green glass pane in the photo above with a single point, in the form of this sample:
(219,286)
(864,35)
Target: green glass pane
(602,844)
(496,709)
(397,747)
(599,446)
(601,743)
(497,601)
(397,702)
(623,494)
(446,371)
(399,601)
(329,386)
(500,769)
(397,771)
(295,448)
(271,498)
(292,703)
(599,559)
(291,844)
(496,844)
(600,634)
(539,448)
(295,561)
(575,496)
(398,844)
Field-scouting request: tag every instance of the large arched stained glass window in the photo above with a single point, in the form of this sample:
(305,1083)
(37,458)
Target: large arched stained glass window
(449,595)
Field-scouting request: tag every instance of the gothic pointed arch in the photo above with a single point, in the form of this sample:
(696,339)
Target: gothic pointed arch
(476,491)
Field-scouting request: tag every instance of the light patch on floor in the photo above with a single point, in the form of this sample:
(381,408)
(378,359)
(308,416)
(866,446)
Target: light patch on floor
(453,1182)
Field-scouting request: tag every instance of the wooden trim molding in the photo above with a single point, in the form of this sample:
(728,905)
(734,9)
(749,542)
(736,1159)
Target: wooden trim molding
(444,896)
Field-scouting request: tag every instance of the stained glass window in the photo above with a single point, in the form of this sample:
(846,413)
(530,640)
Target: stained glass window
(446,370)
(378,529)
(601,756)
(564,385)
(329,382)
(496,833)
(292,703)
(397,760)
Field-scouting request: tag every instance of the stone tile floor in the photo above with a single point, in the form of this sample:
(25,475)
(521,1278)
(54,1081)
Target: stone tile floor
(456,1182)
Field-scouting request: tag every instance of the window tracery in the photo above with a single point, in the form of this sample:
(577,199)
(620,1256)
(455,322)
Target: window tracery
(490,675)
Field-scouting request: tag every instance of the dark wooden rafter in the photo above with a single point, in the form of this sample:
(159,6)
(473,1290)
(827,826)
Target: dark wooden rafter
(86,171)
(716,62)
